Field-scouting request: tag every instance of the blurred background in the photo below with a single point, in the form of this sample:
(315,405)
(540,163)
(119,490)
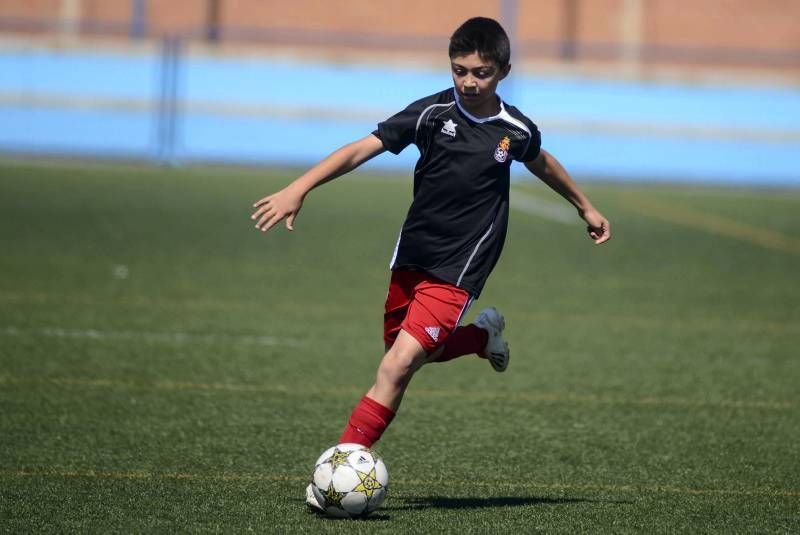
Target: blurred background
(707,90)
(166,368)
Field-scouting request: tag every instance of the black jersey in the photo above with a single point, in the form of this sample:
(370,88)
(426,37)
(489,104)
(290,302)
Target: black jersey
(457,222)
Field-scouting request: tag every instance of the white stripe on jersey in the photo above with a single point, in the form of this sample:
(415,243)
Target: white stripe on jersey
(504,115)
(396,247)
(426,110)
(474,252)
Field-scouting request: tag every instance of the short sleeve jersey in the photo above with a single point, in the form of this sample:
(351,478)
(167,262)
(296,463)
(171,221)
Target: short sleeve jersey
(456,226)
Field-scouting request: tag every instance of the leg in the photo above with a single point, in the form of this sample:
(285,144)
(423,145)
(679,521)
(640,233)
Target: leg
(420,314)
(404,358)
(483,337)
(467,340)
(375,411)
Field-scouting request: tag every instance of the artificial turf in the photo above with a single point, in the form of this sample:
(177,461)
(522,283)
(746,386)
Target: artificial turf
(166,367)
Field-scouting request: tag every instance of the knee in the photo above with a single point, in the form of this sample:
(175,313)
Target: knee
(398,367)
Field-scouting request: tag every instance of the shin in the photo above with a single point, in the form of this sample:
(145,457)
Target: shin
(375,411)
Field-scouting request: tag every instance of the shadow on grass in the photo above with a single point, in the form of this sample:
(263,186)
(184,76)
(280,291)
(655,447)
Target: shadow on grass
(444,502)
(375,517)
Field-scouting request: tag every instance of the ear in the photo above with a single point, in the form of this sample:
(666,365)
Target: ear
(504,71)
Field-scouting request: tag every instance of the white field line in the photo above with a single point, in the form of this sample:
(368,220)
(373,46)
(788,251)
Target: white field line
(763,327)
(349,391)
(768,492)
(712,223)
(539,207)
(147,336)
(318,113)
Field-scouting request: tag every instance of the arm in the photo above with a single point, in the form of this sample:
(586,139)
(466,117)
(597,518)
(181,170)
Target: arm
(287,202)
(552,173)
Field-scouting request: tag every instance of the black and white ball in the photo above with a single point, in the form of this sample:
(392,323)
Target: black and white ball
(349,481)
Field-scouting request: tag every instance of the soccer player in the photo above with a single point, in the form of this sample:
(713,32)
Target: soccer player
(456,226)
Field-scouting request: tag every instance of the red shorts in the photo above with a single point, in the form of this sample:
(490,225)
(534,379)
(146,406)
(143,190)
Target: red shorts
(425,307)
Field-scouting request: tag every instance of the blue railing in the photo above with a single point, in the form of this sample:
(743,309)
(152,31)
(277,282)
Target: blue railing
(172,103)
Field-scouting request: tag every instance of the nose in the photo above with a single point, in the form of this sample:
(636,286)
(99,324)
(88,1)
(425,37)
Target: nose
(470,83)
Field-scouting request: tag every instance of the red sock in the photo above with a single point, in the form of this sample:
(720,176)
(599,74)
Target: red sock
(464,341)
(367,423)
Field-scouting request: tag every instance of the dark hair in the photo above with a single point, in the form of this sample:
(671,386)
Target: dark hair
(484,36)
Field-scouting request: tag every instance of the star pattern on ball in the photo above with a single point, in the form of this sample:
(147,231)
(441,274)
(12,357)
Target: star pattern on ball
(369,483)
(332,497)
(338,458)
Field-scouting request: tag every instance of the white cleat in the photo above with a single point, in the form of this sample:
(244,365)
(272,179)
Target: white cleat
(496,350)
(311,500)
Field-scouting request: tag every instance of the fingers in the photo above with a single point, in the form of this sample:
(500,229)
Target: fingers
(262,201)
(600,234)
(602,239)
(267,222)
(262,208)
(270,222)
(268,215)
(264,214)
(272,208)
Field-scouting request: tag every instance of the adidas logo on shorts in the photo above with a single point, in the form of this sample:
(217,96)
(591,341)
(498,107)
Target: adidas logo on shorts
(433,332)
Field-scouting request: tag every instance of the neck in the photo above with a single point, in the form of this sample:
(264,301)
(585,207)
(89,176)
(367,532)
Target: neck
(487,108)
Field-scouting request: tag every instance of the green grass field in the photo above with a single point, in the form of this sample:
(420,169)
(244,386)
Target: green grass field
(165,367)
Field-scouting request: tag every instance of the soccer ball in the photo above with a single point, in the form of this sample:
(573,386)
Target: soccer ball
(349,481)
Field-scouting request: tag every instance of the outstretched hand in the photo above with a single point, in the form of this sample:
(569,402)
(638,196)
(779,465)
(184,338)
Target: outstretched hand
(598,227)
(284,204)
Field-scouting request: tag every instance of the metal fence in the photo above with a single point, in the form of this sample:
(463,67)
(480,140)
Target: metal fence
(175,100)
(566,43)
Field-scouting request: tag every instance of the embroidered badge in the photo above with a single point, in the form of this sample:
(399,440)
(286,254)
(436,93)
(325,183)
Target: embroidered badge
(501,152)
(449,128)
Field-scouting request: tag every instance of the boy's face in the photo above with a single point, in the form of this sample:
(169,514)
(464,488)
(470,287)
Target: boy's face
(476,81)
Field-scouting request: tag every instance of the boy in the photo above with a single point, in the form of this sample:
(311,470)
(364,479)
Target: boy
(456,226)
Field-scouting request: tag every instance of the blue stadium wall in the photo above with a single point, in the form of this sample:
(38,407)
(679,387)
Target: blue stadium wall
(167,104)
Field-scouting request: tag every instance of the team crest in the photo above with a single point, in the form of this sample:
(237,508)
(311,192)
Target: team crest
(501,152)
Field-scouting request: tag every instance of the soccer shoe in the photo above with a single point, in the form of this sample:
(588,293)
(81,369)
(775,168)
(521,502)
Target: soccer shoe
(496,351)
(311,500)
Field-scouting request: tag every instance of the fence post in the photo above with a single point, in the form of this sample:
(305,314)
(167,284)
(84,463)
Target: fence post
(509,13)
(213,13)
(138,19)
(632,33)
(569,38)
(69,19)
(168,105)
